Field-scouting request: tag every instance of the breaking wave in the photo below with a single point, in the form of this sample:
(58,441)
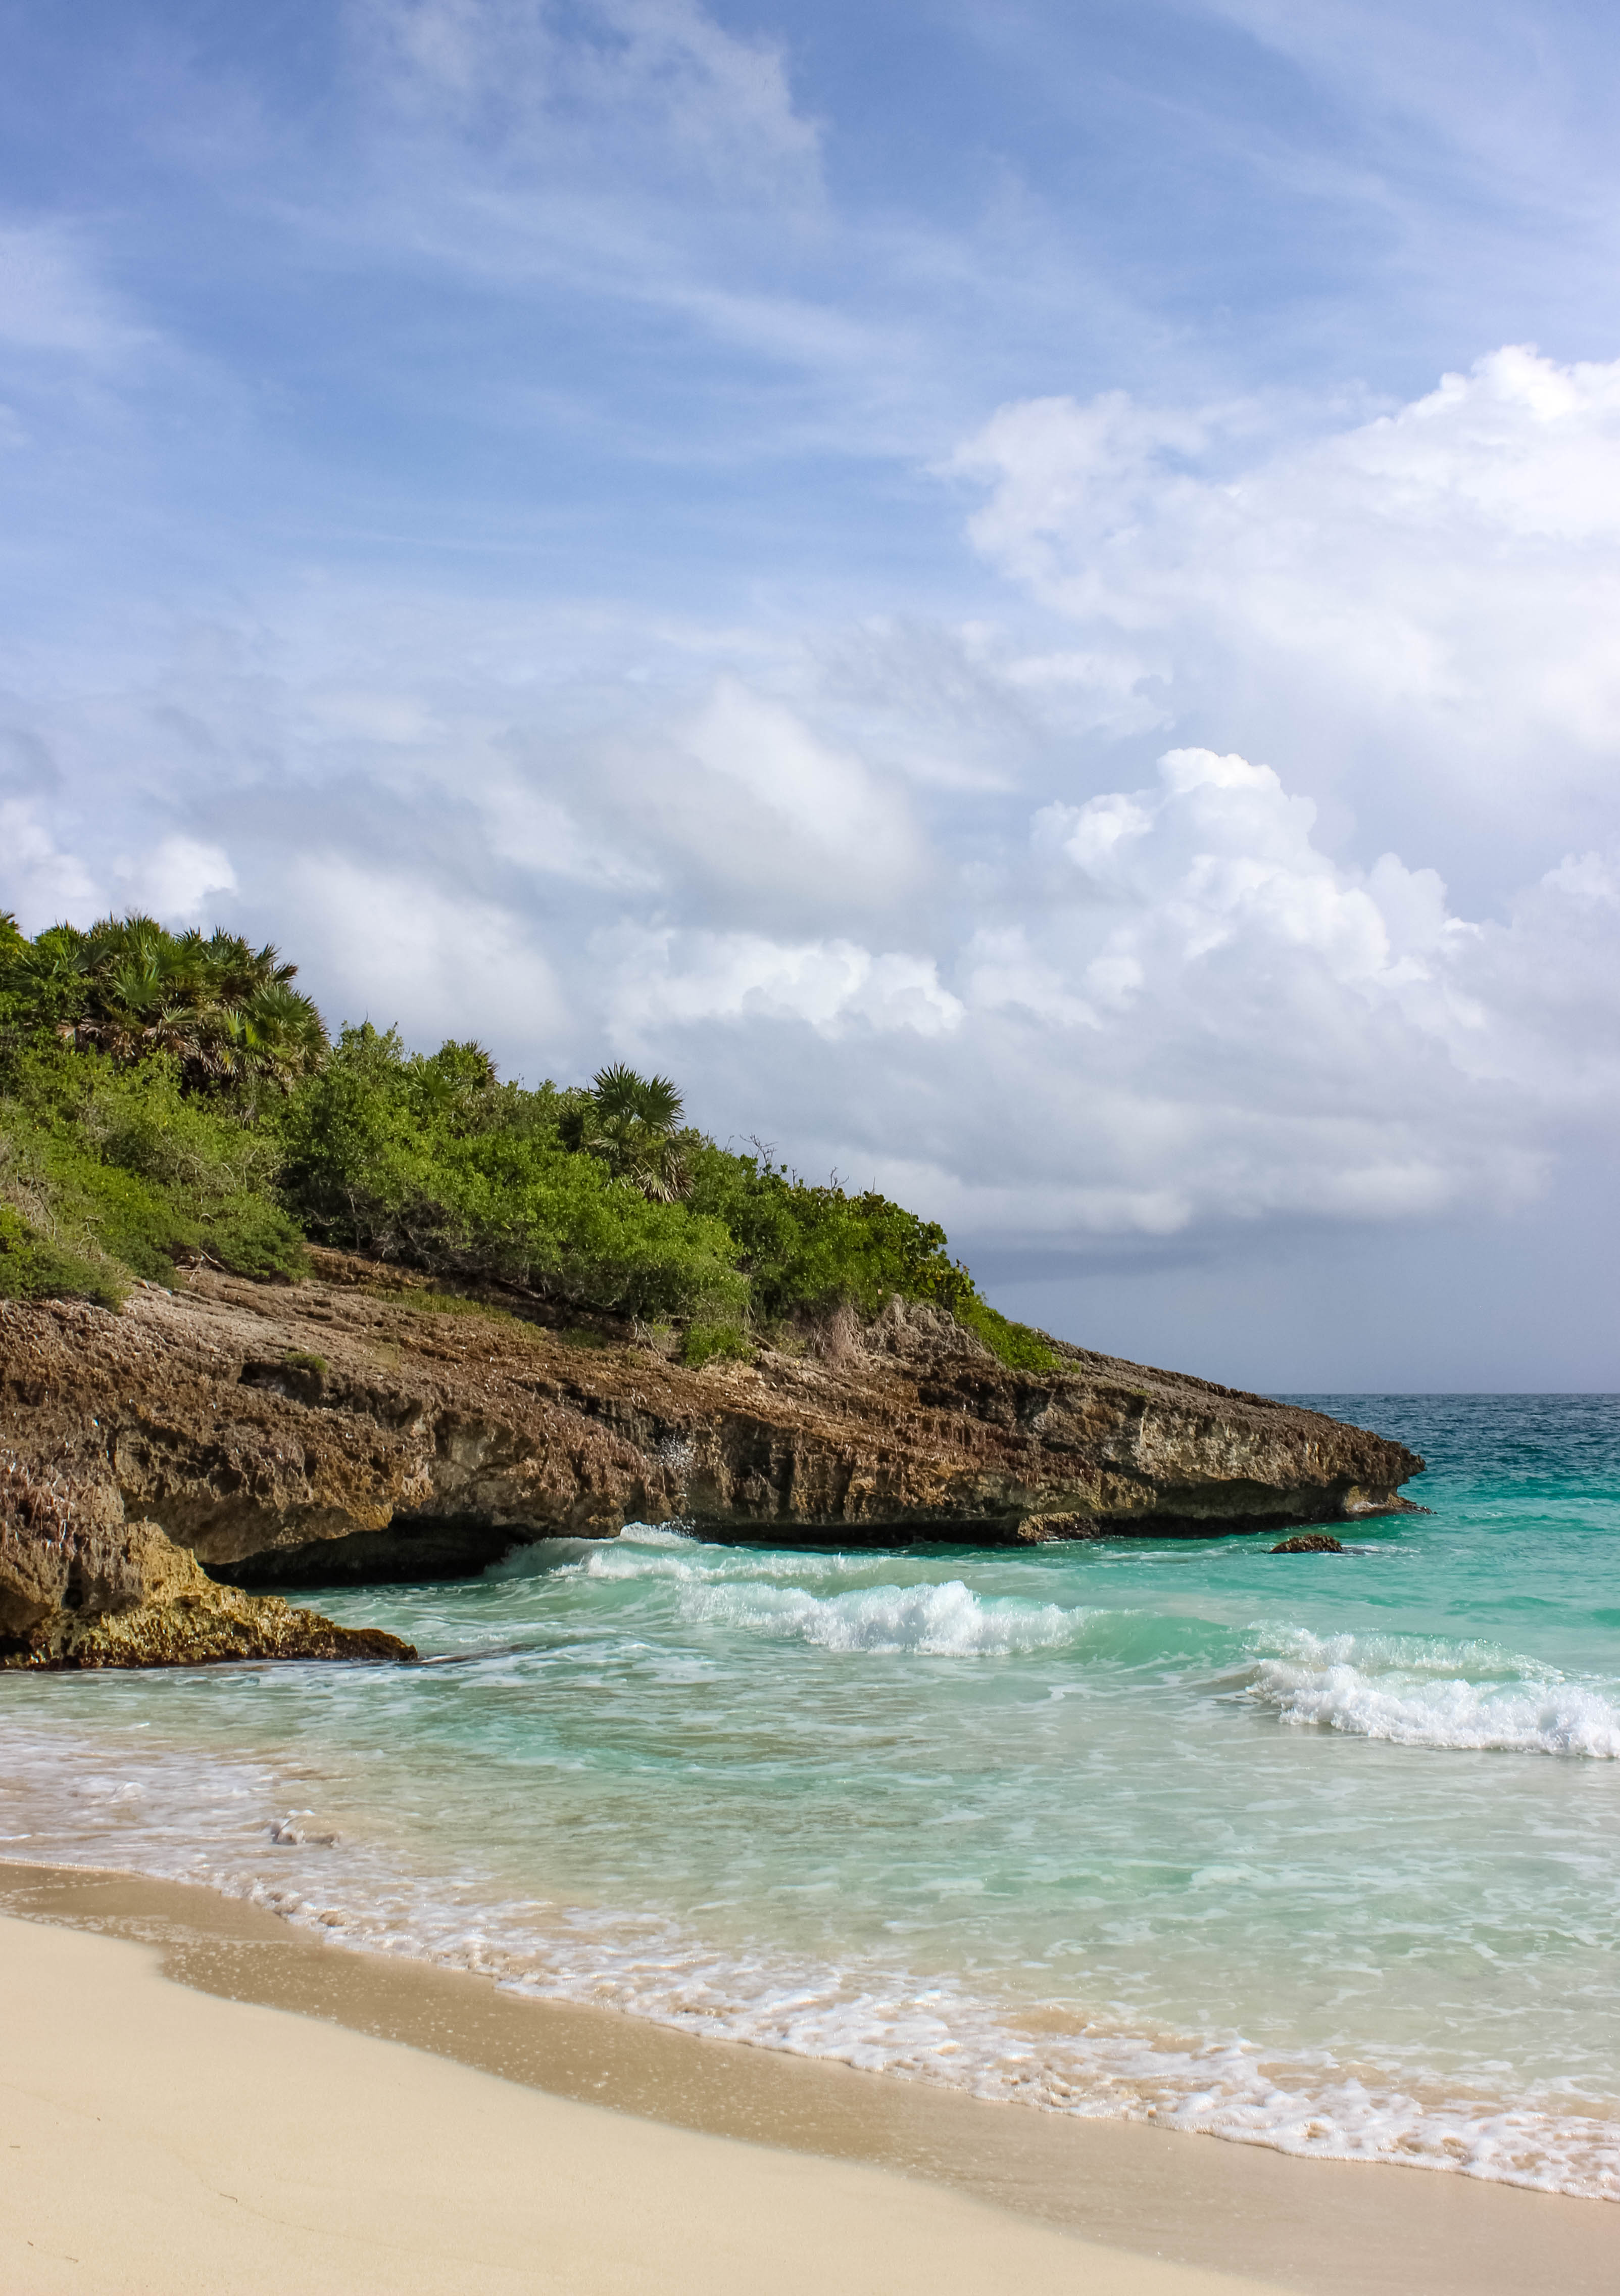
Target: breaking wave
(1451,1697)
(940,1621)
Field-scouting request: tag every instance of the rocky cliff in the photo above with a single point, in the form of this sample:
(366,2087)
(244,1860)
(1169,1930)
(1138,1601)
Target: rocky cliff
(156,1462)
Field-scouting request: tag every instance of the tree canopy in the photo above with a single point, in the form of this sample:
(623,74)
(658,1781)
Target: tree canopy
(171,1097)
(127,987)
(628,1123)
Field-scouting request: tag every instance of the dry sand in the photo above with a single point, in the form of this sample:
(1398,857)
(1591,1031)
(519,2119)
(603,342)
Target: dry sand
(416,2130)
(157,2139)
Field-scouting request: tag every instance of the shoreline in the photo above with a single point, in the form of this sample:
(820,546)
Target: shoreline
(1135,2200)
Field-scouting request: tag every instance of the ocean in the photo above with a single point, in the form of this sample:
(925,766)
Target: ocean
(1320,1852)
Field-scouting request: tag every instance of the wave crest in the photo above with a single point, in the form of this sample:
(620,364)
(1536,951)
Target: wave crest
(1417,1696)
(946,1620)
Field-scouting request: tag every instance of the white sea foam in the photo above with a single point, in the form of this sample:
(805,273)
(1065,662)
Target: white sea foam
(644,1551)
(1452,1697)
(771,1594)
(212,1820)
(941,1621)
(226,1822)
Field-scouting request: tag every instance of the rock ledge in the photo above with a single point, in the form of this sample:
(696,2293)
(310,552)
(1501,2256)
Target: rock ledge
(156,1462)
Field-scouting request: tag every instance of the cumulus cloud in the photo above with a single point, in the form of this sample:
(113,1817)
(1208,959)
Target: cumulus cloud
(177,880)
(1428,598)
(744,792)
(1235,1024)
(39,880)
(448,966)
(833,987)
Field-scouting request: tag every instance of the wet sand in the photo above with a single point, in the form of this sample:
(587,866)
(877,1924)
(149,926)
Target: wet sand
(200,2096)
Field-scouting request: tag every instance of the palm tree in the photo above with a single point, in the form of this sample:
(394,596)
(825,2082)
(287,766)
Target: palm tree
(225,1010)
(274,1033)
(629,1122)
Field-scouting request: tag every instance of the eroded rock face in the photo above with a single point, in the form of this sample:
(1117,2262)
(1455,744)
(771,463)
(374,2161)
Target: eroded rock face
(79,1590)
(344,1430)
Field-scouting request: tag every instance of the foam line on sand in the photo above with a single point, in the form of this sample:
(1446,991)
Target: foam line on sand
(155,2138)
(293,2115)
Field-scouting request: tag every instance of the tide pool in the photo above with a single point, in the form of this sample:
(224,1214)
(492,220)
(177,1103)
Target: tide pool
(1321,1851)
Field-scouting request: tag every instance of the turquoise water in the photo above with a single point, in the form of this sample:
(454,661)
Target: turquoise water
(1318,1851)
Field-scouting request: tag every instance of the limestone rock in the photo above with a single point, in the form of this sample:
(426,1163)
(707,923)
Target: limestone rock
(359,1427)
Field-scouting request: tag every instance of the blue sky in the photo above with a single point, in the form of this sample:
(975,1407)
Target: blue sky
(1021,596)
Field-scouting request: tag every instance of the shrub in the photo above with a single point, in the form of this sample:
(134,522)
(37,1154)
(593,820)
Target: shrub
(169,1097)
(126,1165)
(431,1161)
(815,1248)
(715,1343)
(32,1268)
(1019,1345)
(225,1011)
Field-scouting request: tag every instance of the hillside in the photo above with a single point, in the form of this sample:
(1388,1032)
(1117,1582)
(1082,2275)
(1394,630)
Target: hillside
(171,1101)
(280,1312)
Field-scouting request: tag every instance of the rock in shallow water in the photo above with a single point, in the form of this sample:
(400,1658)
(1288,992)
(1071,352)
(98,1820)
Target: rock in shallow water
(1309,1542)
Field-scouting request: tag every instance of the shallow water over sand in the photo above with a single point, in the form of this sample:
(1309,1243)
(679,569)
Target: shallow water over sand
(1319,1851)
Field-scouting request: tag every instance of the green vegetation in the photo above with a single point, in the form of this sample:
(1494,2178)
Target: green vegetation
(628,1122)
(167,1099)
(107,1174)
(432,1162)
(223,1011)
(706,1343)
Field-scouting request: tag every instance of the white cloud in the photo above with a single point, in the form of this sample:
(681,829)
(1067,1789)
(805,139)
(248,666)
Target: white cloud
(769,803)
(835,986)
(1235,1024)
(1440,585)
(177,880)
(39,880)
(538,832)
(400,947)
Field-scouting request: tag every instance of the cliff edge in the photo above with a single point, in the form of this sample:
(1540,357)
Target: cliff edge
(160,1463)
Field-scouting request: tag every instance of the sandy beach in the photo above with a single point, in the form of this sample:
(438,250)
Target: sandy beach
(198,2097)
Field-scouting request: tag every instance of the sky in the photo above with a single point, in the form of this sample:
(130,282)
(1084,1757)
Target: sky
(1025,598)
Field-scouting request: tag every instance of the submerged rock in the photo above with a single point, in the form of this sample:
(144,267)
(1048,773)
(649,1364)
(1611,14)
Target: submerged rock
(362,1428)
(1309,1542)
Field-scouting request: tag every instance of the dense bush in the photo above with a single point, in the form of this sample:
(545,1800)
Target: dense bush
(106,1172)
(433,1161)
(819,1247)
(225,1012)
(168,1098)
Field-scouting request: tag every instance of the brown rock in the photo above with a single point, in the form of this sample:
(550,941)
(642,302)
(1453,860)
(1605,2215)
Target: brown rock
(350,1430)
(127,1596)
(1308,1542)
